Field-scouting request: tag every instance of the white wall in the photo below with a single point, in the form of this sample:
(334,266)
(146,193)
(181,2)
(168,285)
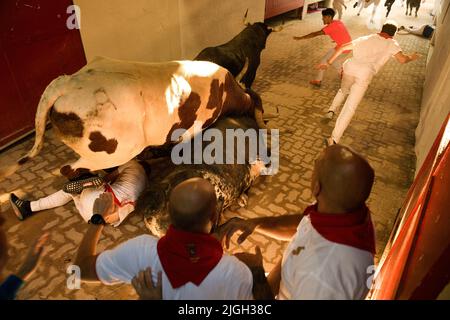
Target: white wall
(130,30)
(154,30)
(436,93)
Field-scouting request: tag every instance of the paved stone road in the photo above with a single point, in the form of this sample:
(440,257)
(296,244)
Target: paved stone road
(382,130)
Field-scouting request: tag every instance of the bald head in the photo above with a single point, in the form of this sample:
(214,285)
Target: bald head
(192,204)
(345,178)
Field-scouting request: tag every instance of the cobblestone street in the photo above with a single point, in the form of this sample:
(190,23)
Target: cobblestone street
(382,130)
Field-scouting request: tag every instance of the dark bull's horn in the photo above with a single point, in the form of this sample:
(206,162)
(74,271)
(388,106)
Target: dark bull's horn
(276,29)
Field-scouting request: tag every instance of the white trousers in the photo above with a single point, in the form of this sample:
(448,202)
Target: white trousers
(364,4)
(338,7)
(354,88)
(337,64)
(54,200)
(84,202)
(418,30)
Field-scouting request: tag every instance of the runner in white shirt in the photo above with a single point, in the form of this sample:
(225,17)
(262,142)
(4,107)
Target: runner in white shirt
(316,268)
(366,4)
(332,243)
(337,5)
(127,182)
(370,53)
(190,260)
(230,279)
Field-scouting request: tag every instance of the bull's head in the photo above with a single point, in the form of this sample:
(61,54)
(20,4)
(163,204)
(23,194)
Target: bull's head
(268,28)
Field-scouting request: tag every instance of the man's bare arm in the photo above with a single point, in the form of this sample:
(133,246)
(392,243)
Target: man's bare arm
(87,252)
(310,35)
(279,227)
(86,257)
(339,51)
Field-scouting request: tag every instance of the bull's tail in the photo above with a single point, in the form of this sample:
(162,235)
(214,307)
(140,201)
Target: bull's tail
(259,113)
(48,98)
(242,73)
(259,116)
(257,102)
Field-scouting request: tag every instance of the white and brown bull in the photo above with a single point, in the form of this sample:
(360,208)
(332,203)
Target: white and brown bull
(110,110)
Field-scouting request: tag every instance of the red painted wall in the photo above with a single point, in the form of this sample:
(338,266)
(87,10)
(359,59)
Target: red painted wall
(276,7)
(416,261)
(35,47)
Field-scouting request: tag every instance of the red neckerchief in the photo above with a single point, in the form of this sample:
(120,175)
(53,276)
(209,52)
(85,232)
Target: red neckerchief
(187,256)
(353,229)
(385,35)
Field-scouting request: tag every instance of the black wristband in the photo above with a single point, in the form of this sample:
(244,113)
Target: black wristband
(97,219)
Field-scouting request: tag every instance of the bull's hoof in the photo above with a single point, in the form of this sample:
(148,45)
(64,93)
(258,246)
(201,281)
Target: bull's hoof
(67,172)
(267,116)
(71,174)
(157,227)
(243,200)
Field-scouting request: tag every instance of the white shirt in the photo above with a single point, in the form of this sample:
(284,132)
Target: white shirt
(230,279)
(315,268)
(370,53)
(130,183)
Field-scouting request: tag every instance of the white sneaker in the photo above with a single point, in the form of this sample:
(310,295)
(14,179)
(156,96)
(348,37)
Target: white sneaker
(329,115)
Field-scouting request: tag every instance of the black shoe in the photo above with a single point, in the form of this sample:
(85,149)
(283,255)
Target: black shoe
(75,187)
(21,208)
(355,5)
